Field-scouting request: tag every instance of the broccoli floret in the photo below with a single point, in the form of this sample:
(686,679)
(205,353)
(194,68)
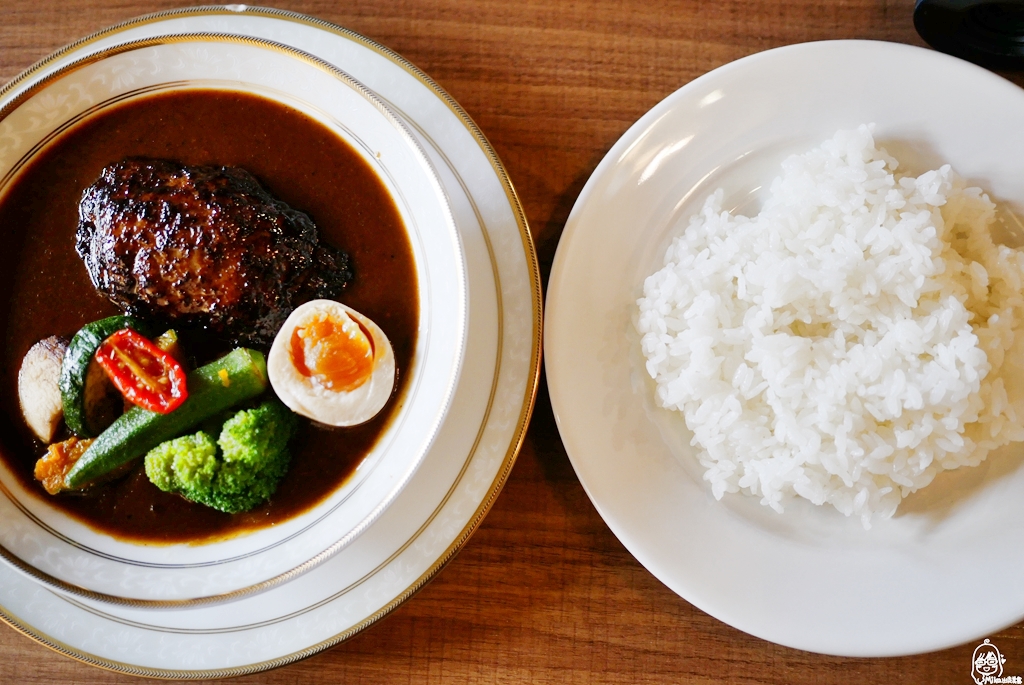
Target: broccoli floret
(190,459)
(238,471)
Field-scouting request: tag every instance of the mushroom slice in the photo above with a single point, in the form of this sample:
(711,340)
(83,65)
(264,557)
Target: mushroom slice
(38,388)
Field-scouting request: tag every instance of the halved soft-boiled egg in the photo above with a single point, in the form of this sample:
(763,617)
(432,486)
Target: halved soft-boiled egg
(332,364)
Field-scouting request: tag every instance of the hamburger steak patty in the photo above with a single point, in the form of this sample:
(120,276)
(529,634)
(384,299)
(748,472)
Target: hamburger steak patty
(203,247)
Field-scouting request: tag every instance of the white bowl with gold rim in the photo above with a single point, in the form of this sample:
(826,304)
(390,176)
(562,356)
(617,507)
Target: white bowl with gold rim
(55,548)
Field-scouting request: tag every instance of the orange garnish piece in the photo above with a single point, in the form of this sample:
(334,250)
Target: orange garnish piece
(58,460)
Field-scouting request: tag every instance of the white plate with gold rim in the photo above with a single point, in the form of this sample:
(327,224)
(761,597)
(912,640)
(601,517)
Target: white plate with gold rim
(461,474)
(945,569)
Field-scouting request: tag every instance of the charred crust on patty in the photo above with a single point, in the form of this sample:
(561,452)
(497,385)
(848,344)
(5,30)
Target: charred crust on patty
(203,247)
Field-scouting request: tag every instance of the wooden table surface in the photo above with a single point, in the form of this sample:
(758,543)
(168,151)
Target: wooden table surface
(543,592)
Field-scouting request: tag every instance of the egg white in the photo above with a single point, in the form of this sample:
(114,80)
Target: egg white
(305,396)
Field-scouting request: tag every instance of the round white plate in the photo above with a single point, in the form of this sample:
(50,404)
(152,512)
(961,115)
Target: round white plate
(459,477)
(946,568)
(61,550)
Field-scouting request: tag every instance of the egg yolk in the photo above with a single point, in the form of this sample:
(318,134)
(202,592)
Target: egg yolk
(336,353)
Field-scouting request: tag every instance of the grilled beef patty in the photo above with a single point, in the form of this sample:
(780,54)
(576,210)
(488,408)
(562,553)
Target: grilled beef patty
(203,247)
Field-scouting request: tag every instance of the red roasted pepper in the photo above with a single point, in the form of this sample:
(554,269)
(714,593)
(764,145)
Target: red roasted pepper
(146,375)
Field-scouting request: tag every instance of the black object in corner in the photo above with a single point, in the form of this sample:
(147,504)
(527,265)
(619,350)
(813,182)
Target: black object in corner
(982,31)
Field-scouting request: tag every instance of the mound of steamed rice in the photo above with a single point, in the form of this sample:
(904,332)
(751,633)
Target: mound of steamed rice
(851,341)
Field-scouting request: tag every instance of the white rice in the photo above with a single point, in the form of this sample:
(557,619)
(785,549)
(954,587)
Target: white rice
(846,344)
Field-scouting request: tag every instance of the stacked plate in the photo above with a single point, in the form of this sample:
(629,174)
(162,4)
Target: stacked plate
(434,472)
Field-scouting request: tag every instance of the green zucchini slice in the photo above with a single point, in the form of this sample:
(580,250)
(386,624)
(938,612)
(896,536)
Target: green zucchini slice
(90,401)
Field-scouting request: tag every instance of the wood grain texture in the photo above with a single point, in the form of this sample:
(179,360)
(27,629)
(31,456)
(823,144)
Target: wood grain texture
(543,592)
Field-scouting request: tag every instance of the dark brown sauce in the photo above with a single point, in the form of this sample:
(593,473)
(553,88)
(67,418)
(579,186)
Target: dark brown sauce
(46,290)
